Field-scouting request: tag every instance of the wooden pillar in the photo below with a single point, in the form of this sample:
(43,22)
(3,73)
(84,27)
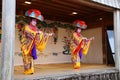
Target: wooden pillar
(8,37)
(117,38)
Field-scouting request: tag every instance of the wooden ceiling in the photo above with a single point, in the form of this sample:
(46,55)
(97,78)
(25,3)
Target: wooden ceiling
(61,10)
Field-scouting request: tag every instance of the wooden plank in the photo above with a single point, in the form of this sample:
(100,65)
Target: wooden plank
(94,5)
(64,71)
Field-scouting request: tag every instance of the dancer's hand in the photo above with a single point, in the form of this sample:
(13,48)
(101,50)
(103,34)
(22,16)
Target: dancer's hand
(84,38)
(92,38)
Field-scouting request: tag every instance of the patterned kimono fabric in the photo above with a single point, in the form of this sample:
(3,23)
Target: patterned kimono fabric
(78,47)
(42,41)
(28,48)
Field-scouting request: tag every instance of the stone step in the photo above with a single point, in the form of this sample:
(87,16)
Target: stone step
(91,76)
(110,74)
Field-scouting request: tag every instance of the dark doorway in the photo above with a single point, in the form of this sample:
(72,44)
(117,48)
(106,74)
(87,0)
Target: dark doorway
(110,45)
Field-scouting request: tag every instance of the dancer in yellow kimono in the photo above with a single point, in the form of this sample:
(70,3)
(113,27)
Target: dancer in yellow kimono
(79,44)
(28,41)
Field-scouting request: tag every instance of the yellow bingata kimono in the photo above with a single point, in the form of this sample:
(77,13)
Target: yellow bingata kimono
(27,43)
(78,46)
(30,39)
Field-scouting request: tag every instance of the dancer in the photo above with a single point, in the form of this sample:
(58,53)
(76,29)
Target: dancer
(28,41)
(79,44)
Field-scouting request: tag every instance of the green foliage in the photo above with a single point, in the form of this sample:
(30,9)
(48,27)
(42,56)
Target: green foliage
(44,24)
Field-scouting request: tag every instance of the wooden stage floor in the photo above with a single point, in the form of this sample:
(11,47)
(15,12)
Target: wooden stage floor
(56,69)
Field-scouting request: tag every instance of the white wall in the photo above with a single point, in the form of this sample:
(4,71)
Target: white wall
(95,54)
(47,57)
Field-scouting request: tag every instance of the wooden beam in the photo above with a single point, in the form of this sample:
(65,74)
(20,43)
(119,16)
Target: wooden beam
(67,6)
(48,11)
(8,39)
(94,5)
(117,38)
(37,6)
